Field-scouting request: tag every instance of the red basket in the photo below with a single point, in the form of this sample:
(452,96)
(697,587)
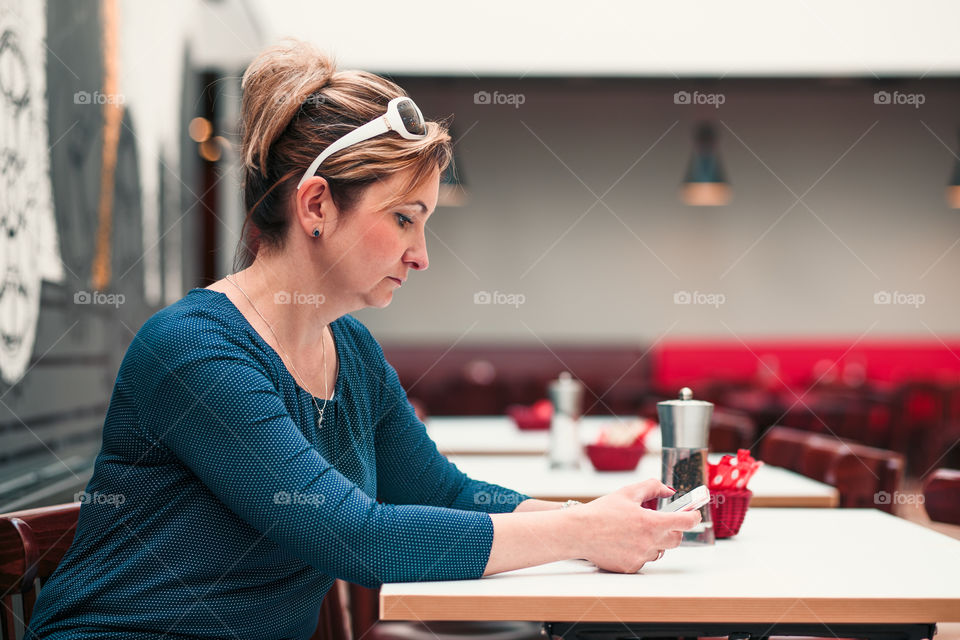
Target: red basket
(605,457)
(528,418)
(727,509)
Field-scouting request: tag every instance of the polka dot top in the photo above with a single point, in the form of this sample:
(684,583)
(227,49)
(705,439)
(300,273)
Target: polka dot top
(218,508)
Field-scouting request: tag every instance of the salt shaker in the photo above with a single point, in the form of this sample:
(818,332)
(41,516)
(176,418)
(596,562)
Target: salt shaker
(566,394)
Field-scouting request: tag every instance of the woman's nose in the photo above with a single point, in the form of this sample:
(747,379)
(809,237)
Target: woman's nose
(416,255)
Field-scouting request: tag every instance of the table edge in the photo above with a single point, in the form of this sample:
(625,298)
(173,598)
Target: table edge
(655,609)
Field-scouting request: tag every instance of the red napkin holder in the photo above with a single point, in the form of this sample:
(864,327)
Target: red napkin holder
(728,507)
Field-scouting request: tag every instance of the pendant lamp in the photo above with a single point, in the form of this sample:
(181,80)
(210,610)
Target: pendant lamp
(705,184)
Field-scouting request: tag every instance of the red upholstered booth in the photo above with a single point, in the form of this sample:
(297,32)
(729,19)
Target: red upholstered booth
(799,362)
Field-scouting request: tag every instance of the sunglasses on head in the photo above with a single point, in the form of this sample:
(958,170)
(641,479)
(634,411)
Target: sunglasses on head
(402,116)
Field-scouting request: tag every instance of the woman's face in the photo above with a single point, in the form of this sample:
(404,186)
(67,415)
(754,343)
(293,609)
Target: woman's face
(370,251)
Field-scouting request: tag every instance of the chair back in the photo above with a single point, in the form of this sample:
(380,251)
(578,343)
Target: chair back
(32,543)
(364,609)
(820,458)
(941,495)
(864,476)
(731,430)
(783,447)
(334,622)
(871,478)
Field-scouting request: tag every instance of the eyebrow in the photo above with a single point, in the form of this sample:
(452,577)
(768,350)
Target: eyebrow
(417,203)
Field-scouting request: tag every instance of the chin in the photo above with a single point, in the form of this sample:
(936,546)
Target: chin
(381,302)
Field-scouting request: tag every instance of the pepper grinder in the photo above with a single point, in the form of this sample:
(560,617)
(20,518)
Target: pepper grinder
(565,394)
(685,429)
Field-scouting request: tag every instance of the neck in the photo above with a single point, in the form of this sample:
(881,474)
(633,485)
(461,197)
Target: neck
(298,316)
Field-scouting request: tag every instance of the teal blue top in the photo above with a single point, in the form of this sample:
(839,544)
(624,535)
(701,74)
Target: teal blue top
(219,509)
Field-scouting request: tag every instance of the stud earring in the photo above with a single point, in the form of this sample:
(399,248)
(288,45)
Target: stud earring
(316,233)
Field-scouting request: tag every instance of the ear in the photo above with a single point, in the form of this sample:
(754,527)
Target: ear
(313,205)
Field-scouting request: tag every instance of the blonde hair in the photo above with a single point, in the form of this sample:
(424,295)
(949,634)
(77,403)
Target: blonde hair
(295,103)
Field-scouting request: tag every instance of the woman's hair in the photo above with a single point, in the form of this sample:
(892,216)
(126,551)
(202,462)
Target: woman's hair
(295,103)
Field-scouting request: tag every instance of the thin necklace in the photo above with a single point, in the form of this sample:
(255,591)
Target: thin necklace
(323,346)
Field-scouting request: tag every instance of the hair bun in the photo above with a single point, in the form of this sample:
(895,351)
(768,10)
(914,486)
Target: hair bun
(274,87)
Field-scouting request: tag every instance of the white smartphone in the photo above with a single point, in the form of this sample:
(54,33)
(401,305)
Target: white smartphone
(693,499)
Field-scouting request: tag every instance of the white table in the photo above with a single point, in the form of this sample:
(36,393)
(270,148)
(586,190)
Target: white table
(498,435)
(788,572)
(771,486)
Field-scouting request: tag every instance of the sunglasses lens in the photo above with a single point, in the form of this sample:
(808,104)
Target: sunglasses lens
(412,121)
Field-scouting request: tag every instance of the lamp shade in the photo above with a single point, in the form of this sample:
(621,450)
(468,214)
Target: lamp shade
(705,184)
(953,189)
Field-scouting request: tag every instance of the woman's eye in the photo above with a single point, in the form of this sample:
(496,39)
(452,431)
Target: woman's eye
(403,220)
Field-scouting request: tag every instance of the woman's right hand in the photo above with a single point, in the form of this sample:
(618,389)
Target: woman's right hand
(618,534)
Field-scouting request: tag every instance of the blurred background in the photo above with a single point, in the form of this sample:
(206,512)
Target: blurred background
(761,202)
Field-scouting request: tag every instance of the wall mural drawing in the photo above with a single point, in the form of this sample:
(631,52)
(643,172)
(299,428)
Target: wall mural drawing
(29,245)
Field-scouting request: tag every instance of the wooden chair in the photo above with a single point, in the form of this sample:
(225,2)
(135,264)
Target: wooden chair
(941,495)
(34,541)
(334,622)
(783,447)
(864,476)
(859,489)
(731,430)
(819,458)
(920,412)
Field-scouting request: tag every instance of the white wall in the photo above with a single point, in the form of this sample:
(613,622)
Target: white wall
(154,39)
(629,37)
(878,221)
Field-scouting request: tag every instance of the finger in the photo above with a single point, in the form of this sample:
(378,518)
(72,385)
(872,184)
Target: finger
(648,489)
(682,521)
(671,540)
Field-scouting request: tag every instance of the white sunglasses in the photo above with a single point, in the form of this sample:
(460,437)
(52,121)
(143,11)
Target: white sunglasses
(402,116)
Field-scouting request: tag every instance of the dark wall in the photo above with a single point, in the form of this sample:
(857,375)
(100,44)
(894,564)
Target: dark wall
(51,419)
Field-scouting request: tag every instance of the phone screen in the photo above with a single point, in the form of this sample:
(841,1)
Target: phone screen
(693,499)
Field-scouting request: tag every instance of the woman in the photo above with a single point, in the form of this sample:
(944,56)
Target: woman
(257,444)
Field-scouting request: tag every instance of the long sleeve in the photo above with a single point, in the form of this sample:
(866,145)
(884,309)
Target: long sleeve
(217,410)
(410,469)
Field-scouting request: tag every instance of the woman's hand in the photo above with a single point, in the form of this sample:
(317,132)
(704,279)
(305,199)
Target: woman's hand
(614,532)
(618,534)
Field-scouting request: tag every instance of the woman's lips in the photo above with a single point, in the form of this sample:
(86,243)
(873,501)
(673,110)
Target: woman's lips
(397,280)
